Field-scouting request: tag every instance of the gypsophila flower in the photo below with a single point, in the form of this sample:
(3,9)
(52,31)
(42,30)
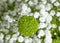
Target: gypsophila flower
(42,25)
(41,33)
(52,1)
(36,14)
(42,19)
(20,39)
(48,19)
(58,14)
(52,12)
(56,4)
(1,36)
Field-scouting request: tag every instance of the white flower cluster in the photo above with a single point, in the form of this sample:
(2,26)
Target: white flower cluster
(44,15)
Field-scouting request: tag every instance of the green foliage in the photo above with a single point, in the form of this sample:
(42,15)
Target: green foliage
(27,25)
(55,30)
(56,40)
(10,6)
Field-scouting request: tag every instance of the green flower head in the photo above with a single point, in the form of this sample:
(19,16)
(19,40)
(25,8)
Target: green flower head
(27,25)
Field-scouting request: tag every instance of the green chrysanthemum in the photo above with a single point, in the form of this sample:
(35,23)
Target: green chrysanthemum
(27,25)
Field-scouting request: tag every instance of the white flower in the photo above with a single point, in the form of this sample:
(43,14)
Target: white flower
(42,25)
(42,6)
(54,25)
(48,27)
(25,10)
(14,36)
(36,14)
(44,1)
(7,17)
(36,40)
(18,0)
(48,19)
(47,33)
(5,31)
(11,40)
(28,10)
(1,41)
(41,33)
(58,14)
(35,2)
(17,33)
(11,1)
(56,3)
(26,0)
(52,12)
(48,38)
(24,7)
(59,28)
(42,19)
(30,3)
(1,36)
(52,1)
(55,33)
(20,39)
(48,6)
(7,37)
(28,40)
(44,13)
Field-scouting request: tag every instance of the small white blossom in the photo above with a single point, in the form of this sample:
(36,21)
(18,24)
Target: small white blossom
(52,1)
(7,17)
(28,40)
(42,25)
(42,6)
(1,41)
(24,7)
(52,12)
(48,19)
(18,0)
(54,25)
(35,2)
(58,14)
(36,40)
(41,33)
(1,36)
(42,19)
(48,6)
(48,27)
(11,1)
(20,39)
(56,3)
(7,37)
(44,13)
(25,10)
(59,28)
(12,40)
(30,3)
(55,33)
(44,1)
(14,36)
(48,38)
(36,14)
